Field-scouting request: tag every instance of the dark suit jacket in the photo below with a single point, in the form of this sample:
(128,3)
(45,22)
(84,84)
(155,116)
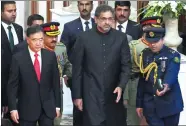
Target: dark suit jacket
(6,56)
(70,32)
(20,46)
(134,30)
(33,96)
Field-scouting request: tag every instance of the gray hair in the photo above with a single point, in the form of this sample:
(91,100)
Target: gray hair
(103,8)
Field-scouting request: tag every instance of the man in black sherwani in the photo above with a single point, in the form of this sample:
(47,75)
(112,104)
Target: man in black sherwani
(101,69)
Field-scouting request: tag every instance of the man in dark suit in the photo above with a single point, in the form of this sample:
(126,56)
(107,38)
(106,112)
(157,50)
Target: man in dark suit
(68,37)
(34,76)
(122,13)
(34,19)
(83,23)
(101,69)
(11,34)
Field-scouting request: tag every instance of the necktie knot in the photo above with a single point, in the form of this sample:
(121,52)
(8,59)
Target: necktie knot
(86,22)
(36,55)
(120,27)
(9,27)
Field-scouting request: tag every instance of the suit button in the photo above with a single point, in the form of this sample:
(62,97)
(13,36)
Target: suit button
(154,95)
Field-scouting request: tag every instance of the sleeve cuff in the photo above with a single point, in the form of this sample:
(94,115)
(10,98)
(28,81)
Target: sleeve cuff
(13,111)
(139,104)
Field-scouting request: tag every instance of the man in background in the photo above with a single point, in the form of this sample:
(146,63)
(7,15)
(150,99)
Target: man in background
(11,35)
(69,35)
(51,43)
(83,23)
(34,19)
(123,23)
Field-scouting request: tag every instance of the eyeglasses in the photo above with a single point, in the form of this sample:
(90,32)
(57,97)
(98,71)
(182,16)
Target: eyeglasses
(103,19)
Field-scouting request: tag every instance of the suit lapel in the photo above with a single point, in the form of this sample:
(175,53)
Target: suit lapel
(28,60)
(93,22)
(79,25)
(17,32)
(5,40)
(129,27)
(43,63)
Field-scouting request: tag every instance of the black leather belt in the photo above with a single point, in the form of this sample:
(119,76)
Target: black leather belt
(134,75)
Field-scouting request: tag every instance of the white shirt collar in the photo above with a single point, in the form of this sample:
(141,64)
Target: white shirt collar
(83,23)
(83,20)
(32,52)
(6,25)
(124,25)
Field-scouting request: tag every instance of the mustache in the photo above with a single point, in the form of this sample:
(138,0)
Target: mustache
(122,16)
(53,41)
(84,10)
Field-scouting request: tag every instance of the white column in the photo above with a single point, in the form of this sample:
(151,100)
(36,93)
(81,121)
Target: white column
(20,18)
(42,6)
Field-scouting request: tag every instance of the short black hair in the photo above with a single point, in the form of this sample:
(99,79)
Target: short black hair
(33,29)
(103,8)
(3,3)
(90,2)
(34,17)
(122,3)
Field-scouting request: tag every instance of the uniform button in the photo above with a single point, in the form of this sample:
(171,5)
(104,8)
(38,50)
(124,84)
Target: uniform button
(154,95)
(103,44)
(104,56)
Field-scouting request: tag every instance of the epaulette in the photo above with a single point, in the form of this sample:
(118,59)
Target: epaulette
(60,44)
(134,42)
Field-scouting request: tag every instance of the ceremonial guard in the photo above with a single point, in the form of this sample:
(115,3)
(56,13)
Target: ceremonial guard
(51,32)
(136,47)
(158,94)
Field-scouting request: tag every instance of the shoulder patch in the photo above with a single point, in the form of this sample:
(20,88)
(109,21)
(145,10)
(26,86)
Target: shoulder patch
(176,59)
(60,44)
(134,42)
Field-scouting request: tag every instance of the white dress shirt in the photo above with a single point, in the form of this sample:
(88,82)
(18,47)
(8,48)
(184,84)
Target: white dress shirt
(83,23)
(16,41)
(33,57)
(124,26)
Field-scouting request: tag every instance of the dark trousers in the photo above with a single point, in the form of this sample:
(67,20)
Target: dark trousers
(77,117)
(154,120)
(42,121)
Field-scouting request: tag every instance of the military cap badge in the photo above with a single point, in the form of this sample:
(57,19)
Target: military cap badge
(52,27)
(151,34)
(159,21)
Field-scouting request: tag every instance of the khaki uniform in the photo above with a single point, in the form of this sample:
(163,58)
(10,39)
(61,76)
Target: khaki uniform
(65,68)
(131,88)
